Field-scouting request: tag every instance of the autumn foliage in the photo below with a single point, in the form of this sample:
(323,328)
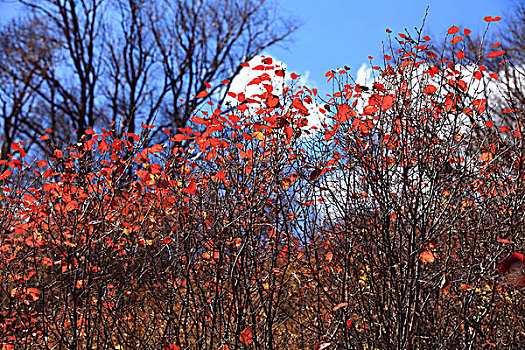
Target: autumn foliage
(388,216)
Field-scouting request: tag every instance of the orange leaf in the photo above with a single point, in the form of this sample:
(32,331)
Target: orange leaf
(338,306)
(503,240)
(427,256)
(465,287)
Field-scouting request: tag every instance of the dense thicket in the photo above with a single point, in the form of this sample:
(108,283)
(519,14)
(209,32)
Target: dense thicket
(391,217)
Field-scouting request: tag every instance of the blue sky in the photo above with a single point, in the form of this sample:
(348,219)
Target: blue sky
(345,32)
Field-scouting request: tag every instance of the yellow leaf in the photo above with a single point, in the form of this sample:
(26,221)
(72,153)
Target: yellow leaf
(258,135)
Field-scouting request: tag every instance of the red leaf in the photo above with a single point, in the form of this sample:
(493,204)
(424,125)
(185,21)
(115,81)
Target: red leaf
(156,148)
(166,240)
(202,94)
(267,60)
(430,89)
(329,75)
(34,293)
(453,30)
(489,124)
(41,163)
(460,55)
(456,39)
(72,206)
(344,113)
(5,174)
(509,262)
(387,102)
(478,75)
(180,137)
(16,147)
(467,31)
(246,336)
(294,76)
(495,54)
(322,346)
(198,120)
(191,189)
(171,347)
(491,19)
(297,104)
(503,240)
(58,153)
(220,174)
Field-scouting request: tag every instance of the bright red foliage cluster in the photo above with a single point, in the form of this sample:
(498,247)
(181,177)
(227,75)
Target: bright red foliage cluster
(396,221)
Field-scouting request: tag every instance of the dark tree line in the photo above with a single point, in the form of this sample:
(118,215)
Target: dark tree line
(72,64)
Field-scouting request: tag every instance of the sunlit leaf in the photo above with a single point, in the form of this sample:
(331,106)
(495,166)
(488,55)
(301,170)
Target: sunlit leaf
(453,30)
(427,256)
(495,54)
(202,94)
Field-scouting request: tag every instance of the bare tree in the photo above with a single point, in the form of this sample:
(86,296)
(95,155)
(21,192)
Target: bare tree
(25,56)
(133,61)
